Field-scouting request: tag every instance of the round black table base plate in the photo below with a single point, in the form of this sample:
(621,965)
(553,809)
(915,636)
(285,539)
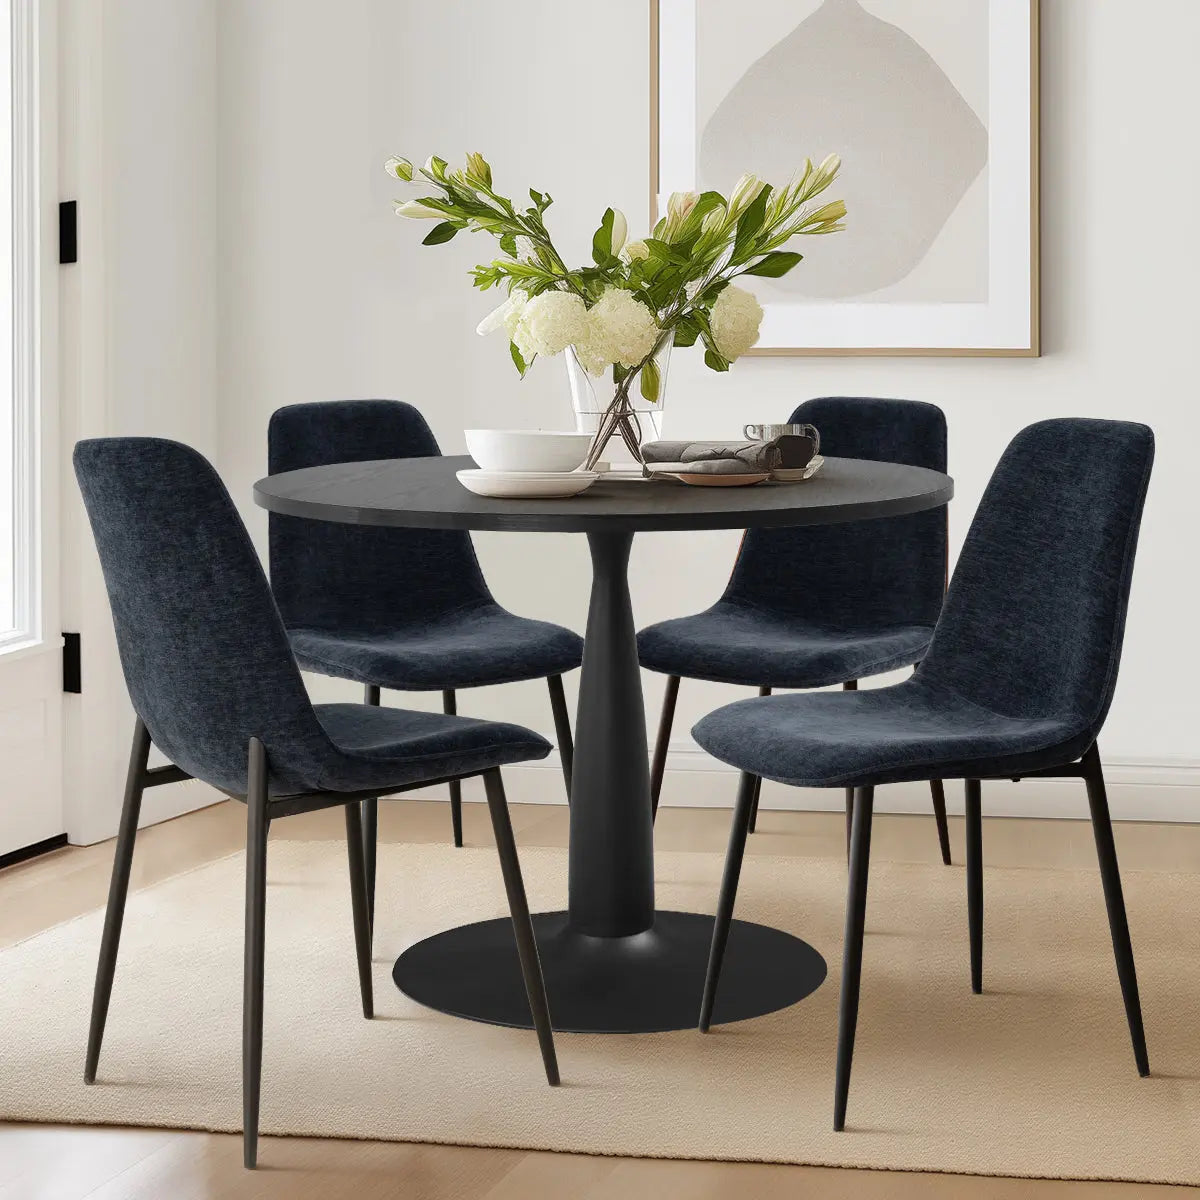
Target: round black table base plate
(647,983)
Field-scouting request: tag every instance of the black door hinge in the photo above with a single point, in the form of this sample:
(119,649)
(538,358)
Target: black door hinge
(68,232)
(72,664)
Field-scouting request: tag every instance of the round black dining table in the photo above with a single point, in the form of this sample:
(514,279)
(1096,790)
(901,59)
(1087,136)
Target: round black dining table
(613,962)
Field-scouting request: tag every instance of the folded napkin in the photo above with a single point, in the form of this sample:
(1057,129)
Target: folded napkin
(728,458)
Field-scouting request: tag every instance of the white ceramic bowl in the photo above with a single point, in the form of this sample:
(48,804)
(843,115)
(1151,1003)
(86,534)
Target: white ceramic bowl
(527,449)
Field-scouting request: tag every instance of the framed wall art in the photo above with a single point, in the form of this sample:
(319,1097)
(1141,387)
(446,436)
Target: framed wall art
(933,107)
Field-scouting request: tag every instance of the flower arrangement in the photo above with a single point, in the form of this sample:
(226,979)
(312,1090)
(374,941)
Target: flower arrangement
(673,287)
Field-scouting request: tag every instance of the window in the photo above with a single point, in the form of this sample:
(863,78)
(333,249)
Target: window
(19,452)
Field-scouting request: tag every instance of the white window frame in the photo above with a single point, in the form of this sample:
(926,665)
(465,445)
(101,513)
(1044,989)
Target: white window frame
(28,483)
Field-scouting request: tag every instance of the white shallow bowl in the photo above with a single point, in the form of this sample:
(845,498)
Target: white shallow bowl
(528,485)
(527,449)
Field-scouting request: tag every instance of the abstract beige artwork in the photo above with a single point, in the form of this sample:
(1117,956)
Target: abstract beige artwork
(931,105)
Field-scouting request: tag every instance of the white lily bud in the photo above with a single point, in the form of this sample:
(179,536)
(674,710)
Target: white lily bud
(436,167)
(478,171)
(714,220)
(620,230)
(744,193)
(494,321)
(417,211)
(635,250)
(679,207)
(400,167)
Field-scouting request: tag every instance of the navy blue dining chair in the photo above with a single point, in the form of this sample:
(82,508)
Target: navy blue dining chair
(1017,683)
(820,605)
(407,609)
(216,689)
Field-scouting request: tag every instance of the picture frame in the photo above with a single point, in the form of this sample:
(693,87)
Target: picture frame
(945,258)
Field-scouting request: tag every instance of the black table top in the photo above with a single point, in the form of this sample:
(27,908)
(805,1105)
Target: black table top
(424,493)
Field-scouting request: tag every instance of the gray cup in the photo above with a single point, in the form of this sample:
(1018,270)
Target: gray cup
(797,445)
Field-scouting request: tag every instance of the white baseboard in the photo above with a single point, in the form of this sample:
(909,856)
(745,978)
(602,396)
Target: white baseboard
(1137,790)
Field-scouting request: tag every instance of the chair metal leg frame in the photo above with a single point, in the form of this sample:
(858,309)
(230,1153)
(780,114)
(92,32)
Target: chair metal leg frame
(742,815)
(135,782)
(531,969)
(359,907)
(258,820)
(974,791)
(450,708)
(939,816)
(1091,771)
(762,691)
(260,810)
(370,827)
(658,764)
(1114,901)
(562,729)
(851,685)
(856,913)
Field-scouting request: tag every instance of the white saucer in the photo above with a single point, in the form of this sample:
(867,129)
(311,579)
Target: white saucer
(529,485)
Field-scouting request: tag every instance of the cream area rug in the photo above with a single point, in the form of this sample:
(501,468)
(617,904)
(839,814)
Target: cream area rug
(1034,1078)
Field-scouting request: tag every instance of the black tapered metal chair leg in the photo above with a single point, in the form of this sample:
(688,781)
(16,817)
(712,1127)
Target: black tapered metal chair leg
(358,906)
(1114,901)
(118,890)
(450,708)
(518,905)
(257,822)
(370,828)
(975,880)
(754,804)
(939,816)
(856,917)
(851,685)
(658,764)
(849,820)
(562,729)
(762,691)
(742,812)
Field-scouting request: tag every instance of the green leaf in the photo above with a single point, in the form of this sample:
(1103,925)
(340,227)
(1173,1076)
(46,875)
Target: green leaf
(508,243)
(774,265)
(665,251)
(441,232)
(650,381)
(715,361)
(687,331)
(602,239)
(518,361)
(750,222)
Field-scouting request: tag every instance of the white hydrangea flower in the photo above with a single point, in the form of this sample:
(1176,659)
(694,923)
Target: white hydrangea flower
(621,329)
(735,318)
(549,323)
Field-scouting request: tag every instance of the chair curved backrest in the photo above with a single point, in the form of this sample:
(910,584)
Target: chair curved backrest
(1035,614)
(204,653)
(870,574)
(357,577)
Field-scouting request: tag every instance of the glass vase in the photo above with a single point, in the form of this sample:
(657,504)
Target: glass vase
(606,409)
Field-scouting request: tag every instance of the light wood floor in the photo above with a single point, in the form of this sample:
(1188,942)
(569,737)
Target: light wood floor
(69,1163)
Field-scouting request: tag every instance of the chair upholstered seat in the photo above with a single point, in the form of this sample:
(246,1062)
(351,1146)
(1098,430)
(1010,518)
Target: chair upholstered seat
(737,643)
(391,747)
(474,646)
(913,731)
(407,609)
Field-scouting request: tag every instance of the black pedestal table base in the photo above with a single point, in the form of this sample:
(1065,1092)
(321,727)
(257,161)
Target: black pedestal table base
(646,983)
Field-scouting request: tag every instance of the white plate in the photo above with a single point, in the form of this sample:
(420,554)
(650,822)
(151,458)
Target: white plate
(529,485)
(799,474)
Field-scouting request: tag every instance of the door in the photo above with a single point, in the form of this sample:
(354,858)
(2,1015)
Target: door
(31,679)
